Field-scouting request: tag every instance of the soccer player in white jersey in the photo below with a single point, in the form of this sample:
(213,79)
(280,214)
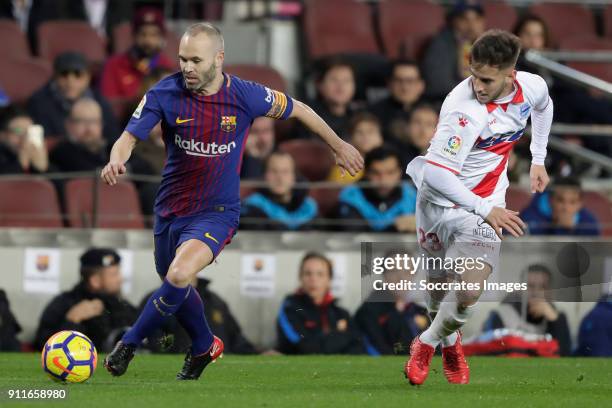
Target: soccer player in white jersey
(462,184)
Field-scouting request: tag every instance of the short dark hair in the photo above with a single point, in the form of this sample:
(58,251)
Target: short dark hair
(361,117)
(317,255)
(277,153)
(496,48)
(400,62)
(379,154)
(330,63)
(570,182)
(8,114)
(423,106)
(532,18)
(540,268)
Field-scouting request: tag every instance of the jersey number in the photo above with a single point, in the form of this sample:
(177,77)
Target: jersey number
(429,241)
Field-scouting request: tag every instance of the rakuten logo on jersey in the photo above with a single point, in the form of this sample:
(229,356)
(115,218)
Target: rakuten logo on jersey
(194,148)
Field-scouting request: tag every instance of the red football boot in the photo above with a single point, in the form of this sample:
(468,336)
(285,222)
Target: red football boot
(417,368)
(456,369)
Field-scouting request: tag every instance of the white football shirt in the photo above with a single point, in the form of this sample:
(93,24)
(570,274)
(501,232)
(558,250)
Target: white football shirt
(474,140)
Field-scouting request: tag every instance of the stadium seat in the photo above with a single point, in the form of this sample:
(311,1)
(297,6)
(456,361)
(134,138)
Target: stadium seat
(590,43)
(499,15)
(327,199)
(29,203)
(601,206)
(607,20)
(517,199)
(56,37)
(338,26)
(565,20)
(263,74)
(313,159)
(122,40)
(118,205)
(406,26)
(14,43)
(21,78)
(587,42)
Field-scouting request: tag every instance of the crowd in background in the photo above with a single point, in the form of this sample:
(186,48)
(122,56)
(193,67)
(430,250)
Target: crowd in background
(309,320)
(79,124)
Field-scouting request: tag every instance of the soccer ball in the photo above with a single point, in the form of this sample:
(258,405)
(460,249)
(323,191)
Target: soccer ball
(69,356)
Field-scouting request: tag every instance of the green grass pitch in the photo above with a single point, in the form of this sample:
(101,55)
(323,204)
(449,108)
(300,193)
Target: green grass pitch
(322,381)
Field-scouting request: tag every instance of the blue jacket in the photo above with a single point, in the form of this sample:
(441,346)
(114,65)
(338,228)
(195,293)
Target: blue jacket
(595,334)
(378,213)
(538,217)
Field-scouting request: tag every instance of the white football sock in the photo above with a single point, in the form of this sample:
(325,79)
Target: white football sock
(433,306)
(449,319)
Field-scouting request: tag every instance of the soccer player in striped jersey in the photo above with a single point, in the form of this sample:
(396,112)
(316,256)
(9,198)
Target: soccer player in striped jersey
(205,115)
(462,184)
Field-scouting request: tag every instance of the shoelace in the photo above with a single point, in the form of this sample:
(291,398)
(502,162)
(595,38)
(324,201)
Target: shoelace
(124,352)
(452,359)
(422,359)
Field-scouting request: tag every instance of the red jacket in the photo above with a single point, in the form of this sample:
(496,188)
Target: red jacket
(123,74)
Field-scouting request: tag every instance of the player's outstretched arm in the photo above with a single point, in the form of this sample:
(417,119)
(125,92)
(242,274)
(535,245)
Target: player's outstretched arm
(120,153)
(347,157)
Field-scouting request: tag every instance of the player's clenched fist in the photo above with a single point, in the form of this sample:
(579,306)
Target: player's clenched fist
(111,172)
(501,218)
(348,158)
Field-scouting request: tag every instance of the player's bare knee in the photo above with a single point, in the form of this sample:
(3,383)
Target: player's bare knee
(178,275)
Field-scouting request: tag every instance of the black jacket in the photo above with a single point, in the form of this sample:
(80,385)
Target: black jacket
(306,328)
(172,338)
(9,162)
(102,330)
(387,330)
(50,109)
(9,328)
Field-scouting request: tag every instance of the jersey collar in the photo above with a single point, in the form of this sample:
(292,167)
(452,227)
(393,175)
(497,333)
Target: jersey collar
(518,98)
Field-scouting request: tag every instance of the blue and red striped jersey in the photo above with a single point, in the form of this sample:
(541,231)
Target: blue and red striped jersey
(204,138)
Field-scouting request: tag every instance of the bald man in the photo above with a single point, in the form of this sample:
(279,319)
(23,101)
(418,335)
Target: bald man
(205,116)
(84,149)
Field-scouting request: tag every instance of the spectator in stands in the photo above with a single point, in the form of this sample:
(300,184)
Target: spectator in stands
(388,204)
(51,104)
(573,104)
(390,320)
(9,327)
(365,134)
(446,61)
(102,16)
(123,73)
(22,150)
(595,333)
(85,149)
(335,84)
(279,206)
(310,321)
(560,211)
(406,86)
(172,338)
(416,135)
(94,306)
(259,145)
(533,313)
